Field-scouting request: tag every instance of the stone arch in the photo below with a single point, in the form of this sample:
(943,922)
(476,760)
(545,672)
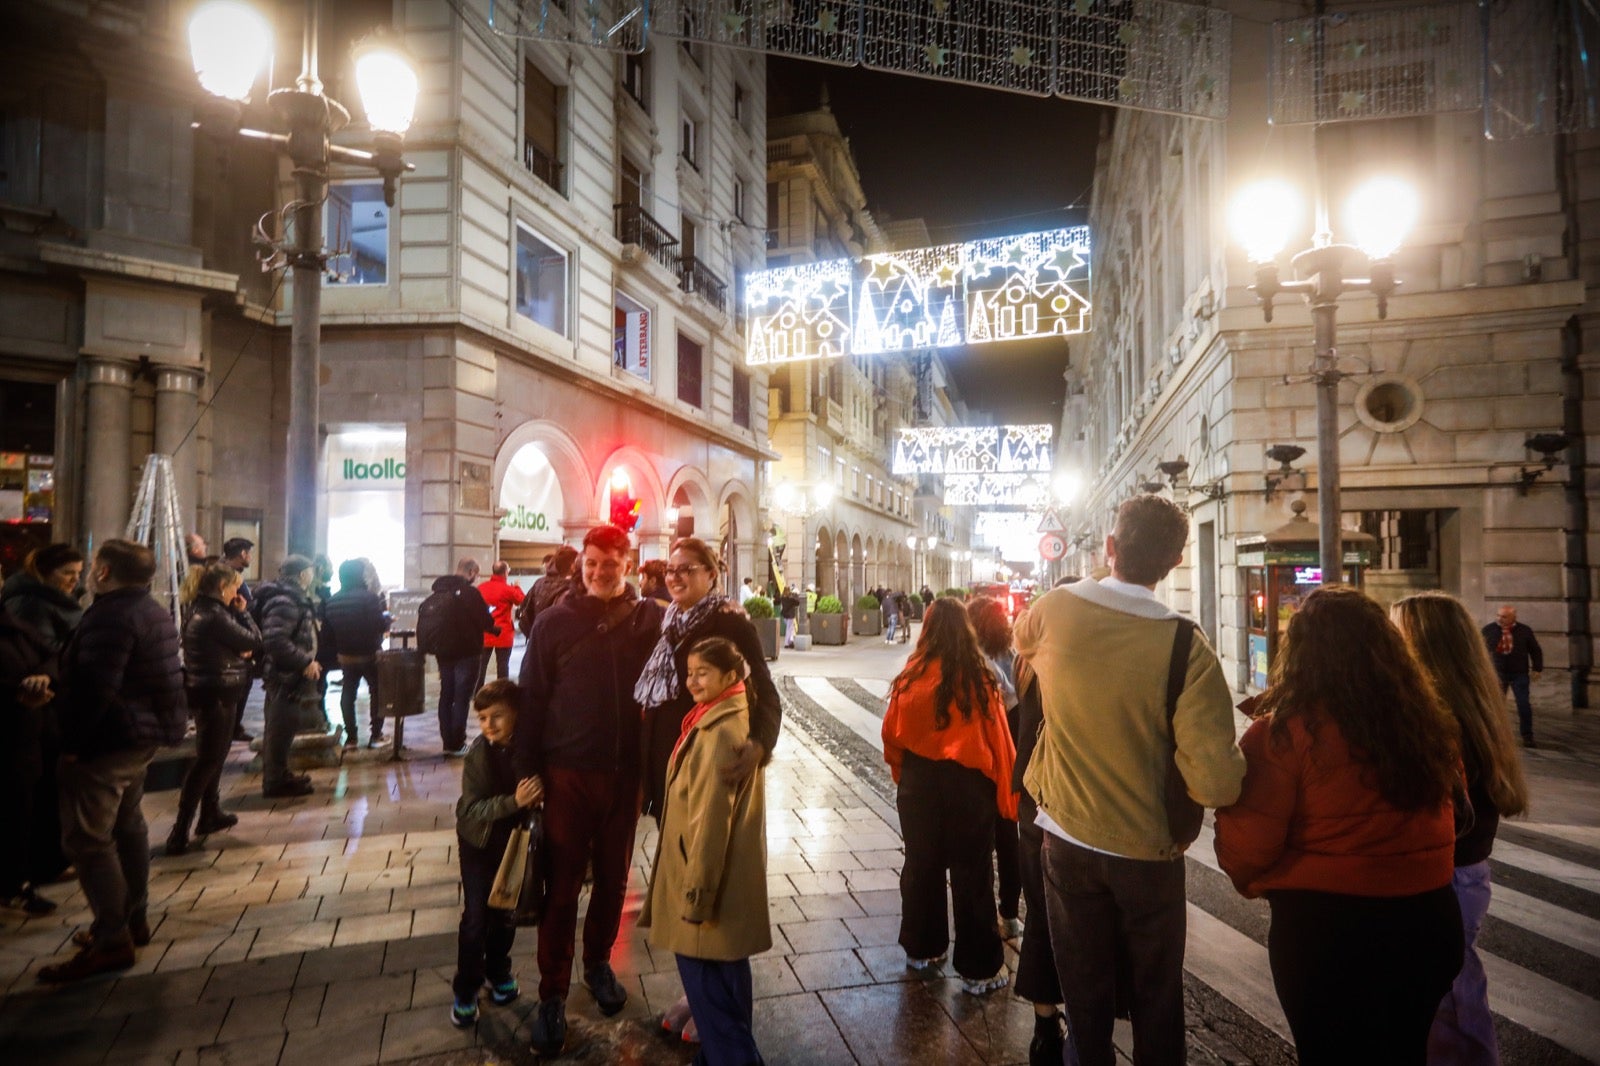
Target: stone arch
(744,543)
(858,570)
(841,576)
(565,458)
(646,484)
(822,570)
(688,483)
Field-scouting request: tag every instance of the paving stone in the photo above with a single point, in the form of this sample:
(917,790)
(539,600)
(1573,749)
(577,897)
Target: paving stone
(369,928)
(254,1016)
(895,1023)
(829,969)
(423,1031)
(356,1042)
(341,964)
(771,975)
(251,977)
(418,952)
(798,1030)
(73,1042)
(161,1030)
(261,1050)
(826,935)
(361,996)
(875,931)
(831,906)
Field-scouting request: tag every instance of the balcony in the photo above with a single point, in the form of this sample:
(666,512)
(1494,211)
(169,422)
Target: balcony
(636,226)
(696,278)
(542,165)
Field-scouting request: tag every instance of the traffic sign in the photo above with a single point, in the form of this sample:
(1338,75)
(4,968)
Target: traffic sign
(1051,522)
(1052,547)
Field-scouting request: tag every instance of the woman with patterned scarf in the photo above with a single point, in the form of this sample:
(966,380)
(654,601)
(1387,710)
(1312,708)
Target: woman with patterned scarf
(695,613)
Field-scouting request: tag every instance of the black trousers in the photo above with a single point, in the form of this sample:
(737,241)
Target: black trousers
(21,770)
(1101,905)
(483,943)
(947,817)
(1360,978)
(213,708)
(502,664)
(355,671)
(1008,865)
(1036,963)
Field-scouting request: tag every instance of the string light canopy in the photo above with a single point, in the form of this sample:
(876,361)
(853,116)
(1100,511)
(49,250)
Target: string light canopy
(973,449)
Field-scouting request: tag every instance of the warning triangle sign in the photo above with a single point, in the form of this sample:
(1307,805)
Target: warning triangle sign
(1051,522)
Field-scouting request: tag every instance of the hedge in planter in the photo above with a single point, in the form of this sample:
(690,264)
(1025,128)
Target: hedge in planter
(769,627)
(828,622)
(867,621)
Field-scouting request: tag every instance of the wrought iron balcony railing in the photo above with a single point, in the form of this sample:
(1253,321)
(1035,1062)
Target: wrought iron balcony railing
(696,278)
(636,226)
(542,165)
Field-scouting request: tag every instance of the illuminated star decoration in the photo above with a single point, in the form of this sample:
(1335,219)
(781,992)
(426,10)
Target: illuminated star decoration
(1351,102)
(733,23)
(936,55)
(827,20)
(940,7)
(1065,262)
(1022,57)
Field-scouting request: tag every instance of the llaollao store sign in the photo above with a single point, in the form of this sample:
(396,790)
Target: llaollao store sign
(366,459)
(521,520)
(389,469)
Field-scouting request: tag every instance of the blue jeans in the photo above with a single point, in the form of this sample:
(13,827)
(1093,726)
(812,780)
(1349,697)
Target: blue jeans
(722,1001)
(456,678)
(1518,683)
(894,627)
(1463,1028)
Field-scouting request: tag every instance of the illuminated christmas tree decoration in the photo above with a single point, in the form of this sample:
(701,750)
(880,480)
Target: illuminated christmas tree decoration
(995,289)
(971,450)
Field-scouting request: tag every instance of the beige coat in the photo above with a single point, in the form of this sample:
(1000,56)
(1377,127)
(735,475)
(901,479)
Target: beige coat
(711,861)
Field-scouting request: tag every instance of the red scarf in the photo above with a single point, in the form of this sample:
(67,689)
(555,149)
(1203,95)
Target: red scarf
(1505,645)
(698,711)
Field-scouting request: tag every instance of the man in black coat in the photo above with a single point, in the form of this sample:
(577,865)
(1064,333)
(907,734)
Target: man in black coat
(122,698)
(354,621)
(289,640)
(1516,652)
(450,627)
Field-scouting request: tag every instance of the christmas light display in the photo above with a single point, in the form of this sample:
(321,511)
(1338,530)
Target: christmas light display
(995,289)
(995,490)
(972,449)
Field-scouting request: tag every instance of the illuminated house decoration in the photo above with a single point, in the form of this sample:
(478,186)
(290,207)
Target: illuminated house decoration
(979,292)
(994,490)
(973,450)
(799,312)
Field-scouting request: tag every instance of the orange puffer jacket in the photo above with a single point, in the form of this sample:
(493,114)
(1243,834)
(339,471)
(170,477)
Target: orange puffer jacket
(983,743)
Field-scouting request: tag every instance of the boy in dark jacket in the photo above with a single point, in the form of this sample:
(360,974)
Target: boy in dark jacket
(492,799)
(355,622)
(289,637)
(122,698)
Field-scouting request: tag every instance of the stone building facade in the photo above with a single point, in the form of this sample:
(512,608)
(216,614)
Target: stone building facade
(547,310)
(1486,343)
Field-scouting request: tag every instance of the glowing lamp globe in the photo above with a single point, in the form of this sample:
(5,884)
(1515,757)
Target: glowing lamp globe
(822,492)
(229,42)
(388,85)
(1380,214)
(1262,218)
(786,495)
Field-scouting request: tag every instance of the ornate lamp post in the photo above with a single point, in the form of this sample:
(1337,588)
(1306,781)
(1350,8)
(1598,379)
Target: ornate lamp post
(803,499)
(1381,212)
(230,43)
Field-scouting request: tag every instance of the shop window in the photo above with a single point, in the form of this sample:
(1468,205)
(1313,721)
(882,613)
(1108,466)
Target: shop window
(365,488)
(541,281)
(690,358)
(741,398)
(355,225)
(630,348)
(27,470)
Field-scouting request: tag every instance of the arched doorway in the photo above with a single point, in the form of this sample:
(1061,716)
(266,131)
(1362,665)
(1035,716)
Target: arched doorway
(858,572)
(822,575)
(532,507)
(841,559)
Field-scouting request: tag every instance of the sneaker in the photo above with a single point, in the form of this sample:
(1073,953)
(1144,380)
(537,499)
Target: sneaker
(984,985)
(352,744)
(241,737)
(550,1027)
(94,959)
(676,1018)
(463,1015)
(1010,928)
(503,992)
(30,902)
(691,1032)
(925,965)
(608,994)
(375,741)
(456,753)
(287,789)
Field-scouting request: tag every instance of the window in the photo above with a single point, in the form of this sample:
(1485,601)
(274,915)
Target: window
(686,236)
(541,126)
(635,79)
(635,189)
(738,199)
(631,337)
(691,44)
(690,356)
(774,216)
(741,104)
(356,227)
(541,281)
(689,142)
(741,398)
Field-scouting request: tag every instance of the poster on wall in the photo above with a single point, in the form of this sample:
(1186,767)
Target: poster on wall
(366,488)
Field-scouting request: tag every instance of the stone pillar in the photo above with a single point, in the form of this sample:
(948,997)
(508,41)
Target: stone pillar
(107,464)
(176,435)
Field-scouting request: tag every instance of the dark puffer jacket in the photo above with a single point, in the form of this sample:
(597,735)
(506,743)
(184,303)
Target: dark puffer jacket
(215,639)
(354,620)
(45,609)
(122,678)
(288,631)
(461,635)
(578,709)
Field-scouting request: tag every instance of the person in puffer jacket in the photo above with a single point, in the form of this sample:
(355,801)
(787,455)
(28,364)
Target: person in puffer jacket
(289,638)
(354,621)
(220,643)
(122,698)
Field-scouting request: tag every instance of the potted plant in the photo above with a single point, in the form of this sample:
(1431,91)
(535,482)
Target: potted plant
(954,593)
(828,621)
(867,621)
(768,625)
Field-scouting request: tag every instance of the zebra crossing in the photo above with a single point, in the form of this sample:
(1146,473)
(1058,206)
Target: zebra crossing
(1540,945)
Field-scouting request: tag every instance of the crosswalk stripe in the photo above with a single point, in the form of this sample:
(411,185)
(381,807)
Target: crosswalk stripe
(1236,967)
(1557,869)
(1544,1006)
(861,722)
(1546,919)
(875,685)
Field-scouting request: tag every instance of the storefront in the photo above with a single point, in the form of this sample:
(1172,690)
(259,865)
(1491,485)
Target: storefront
(531,510)
(366,498)
(27,470)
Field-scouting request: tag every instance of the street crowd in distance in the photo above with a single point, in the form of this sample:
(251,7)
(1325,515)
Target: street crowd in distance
(1050,771)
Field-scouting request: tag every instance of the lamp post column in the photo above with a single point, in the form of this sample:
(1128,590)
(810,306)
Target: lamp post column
(806,548)
(1325,370)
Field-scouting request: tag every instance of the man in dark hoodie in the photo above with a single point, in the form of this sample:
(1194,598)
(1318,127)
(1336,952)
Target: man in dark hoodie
(580,733)
(355,622)
(289,639)
(450,626)
(122,698)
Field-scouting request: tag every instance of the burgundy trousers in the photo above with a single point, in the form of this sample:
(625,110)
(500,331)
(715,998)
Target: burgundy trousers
(589,815)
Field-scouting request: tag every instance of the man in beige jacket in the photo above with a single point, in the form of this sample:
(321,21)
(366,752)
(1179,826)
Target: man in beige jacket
(1114,878)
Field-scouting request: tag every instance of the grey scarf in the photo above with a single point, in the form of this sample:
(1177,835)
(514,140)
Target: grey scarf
(659,683)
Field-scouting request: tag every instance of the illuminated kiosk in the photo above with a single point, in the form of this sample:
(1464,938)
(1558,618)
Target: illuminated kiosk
(1280,569)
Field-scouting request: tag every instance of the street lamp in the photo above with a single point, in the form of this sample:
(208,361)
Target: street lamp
(803,500)
(230,43)
(1381,212)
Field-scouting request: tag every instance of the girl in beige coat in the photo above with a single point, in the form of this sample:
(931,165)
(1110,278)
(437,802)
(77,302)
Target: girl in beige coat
(708,889)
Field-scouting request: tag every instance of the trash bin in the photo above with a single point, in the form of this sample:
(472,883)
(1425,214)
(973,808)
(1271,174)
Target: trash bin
(400,679)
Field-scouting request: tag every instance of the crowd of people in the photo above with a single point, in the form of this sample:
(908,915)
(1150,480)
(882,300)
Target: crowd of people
(1049,778)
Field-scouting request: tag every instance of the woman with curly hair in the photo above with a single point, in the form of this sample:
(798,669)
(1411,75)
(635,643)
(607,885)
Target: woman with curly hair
(1447,642)
(1346,825)
(946,742)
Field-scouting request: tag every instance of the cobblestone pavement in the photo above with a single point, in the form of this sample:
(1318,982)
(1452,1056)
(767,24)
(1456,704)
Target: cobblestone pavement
(322,930)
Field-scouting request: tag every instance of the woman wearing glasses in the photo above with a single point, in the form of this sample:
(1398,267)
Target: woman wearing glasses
(698,611)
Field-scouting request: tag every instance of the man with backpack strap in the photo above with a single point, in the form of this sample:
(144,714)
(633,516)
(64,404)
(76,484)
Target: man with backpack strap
(450,627)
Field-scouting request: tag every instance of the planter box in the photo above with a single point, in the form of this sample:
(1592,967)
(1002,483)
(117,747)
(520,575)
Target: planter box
(866,623)
(828,628)
(770,630)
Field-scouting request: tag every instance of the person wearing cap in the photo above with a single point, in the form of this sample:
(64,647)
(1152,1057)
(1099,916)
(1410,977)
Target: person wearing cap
(289,639)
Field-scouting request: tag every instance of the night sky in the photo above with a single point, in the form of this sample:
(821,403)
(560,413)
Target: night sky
(972,163)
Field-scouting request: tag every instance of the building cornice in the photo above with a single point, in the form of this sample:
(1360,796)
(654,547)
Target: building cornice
(135,268)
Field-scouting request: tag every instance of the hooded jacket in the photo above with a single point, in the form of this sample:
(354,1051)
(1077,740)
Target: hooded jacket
(122,679)
(45,609)
(288,630)
(355,622)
